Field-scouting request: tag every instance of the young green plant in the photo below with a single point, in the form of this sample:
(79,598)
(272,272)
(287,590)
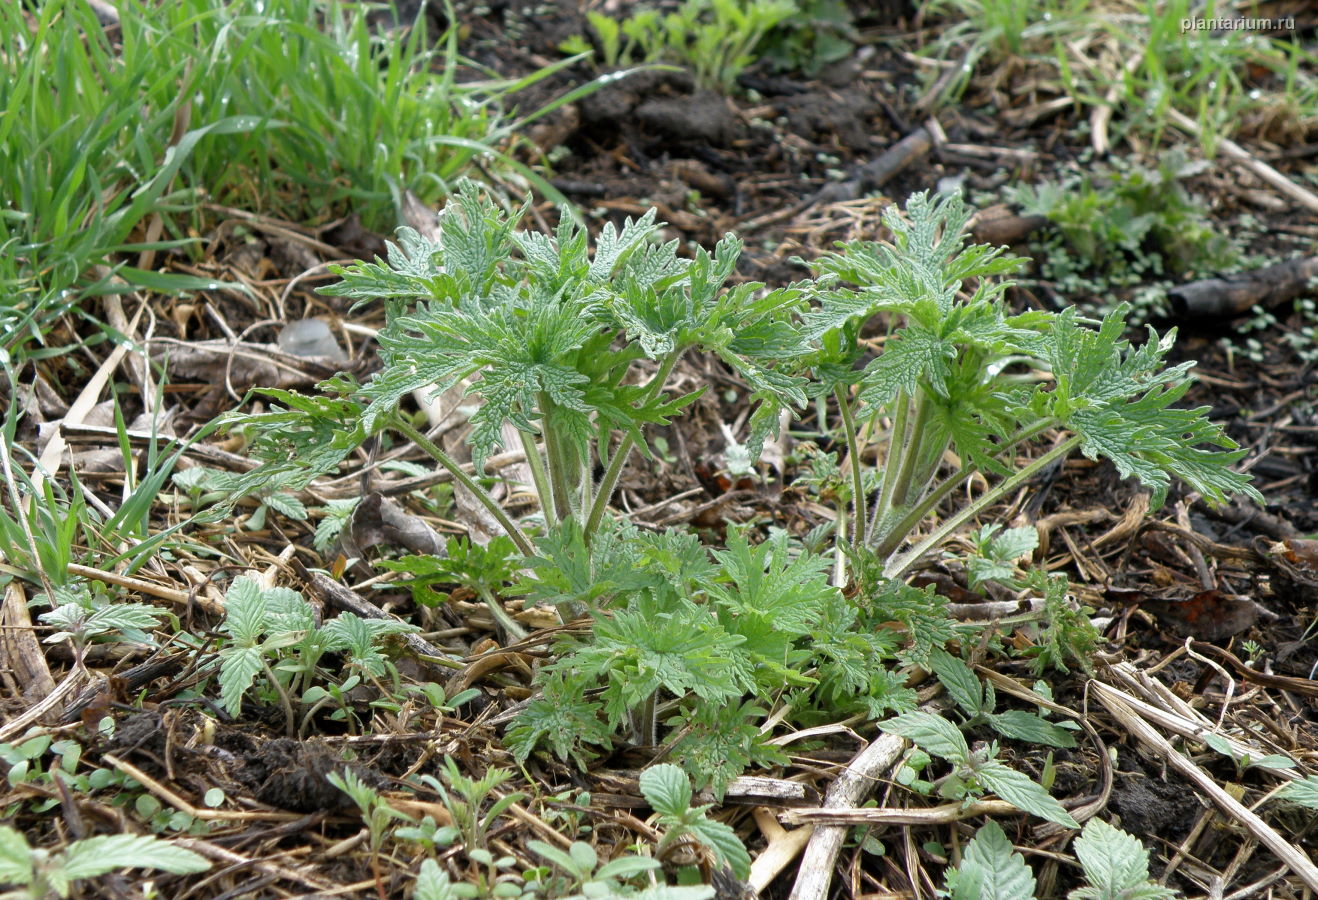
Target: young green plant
(572,349)
(958,373)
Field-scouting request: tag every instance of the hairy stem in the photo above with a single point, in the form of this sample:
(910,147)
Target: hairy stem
(853,456)
(536,462)
(512,628)
(887,543)
(913,447)
(892,460)
(897,567)
(609,483)
(559,459)
(290,720)
(412,433)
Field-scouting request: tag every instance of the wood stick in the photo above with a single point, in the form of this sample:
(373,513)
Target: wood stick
(850,789)
(1237,294)
(1265,172)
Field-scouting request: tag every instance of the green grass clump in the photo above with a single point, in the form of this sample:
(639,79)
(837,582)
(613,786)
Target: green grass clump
(715,39)
(295,108)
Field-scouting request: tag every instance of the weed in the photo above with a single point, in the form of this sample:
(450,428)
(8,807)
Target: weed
(715,39)
(266,99)
(38,873)
(990,869)
(273,632)
(996,31)
(376,812)
(974,773)
(819,34)
(1115,866)
(82,615)
(668,791)
(466,798)
(976,700)
(945,381)
(581,866)
(1129,224)
(705,642)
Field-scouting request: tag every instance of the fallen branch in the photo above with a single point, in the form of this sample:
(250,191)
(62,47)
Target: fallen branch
(933,815)
(851,787)
(1265,172)
(1234,295)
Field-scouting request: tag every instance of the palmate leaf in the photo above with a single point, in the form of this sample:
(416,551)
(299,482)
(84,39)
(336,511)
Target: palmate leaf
(1116,866)
(766,580)
(476,236)
(408,272)
(918,276)
(613,248)
(300,438)
(1025,726)
(359,637)
(681,652)
(572,574)
(717,743)
(931,733)
(16,862)
(1119,402)
(913,355)
(569,723)
(1302,792)
(667,789)
(238,669)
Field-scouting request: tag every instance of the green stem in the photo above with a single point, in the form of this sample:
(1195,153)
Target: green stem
(903,526)
(912,447)
(892,459)
(885,545)
(536,463)
(409,431)
(853,455)
(290,725)
(558,459)
(609,483)
(895,568)
(839,540)
(512,628)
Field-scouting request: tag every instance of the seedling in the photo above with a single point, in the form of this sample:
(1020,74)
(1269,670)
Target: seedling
(716,39)
(668,791)
(949,379)
(38,874)
(977,700)
(273,631)
(974,773)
